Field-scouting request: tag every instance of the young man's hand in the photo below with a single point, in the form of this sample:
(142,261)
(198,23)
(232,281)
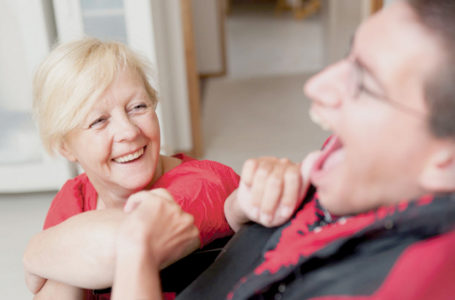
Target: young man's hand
(269,192)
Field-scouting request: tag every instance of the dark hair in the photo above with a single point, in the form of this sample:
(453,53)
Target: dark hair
(439,17)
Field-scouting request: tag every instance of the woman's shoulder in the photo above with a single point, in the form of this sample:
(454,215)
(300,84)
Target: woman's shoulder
(78,189)
(78,182)
(182,157)
(76,196)
(197,174)
(190,164)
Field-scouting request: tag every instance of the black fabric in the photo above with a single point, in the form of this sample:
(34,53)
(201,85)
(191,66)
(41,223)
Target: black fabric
(355,265)
(179,275)
(359,267)
(239,260)
(343,266)
(240,256)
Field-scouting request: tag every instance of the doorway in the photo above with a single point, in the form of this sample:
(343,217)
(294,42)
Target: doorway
(257,108)
(265,39)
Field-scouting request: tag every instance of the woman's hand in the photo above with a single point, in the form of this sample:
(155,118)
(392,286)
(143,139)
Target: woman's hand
(156,233)
(156,221)
(269,192)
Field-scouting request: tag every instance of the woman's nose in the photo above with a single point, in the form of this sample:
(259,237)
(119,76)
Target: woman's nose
(125,129)
(329,87)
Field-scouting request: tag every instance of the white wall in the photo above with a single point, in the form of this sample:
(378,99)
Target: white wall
(26,34)
(25,38)
(157,32)
(170,56)
(154,29)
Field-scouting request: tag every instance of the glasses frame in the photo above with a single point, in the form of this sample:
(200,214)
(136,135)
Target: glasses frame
(358,87)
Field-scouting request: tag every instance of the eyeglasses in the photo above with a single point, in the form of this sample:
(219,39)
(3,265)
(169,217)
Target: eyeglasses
(357,88)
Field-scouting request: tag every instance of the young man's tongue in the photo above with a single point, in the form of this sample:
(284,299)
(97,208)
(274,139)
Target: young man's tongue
(334,156)
(331,155)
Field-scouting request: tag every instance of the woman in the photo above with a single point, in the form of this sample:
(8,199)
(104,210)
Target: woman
(95,106)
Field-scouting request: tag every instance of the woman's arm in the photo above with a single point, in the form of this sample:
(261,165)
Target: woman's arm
(78,251)
(81,250)
(57,290)
(137,276)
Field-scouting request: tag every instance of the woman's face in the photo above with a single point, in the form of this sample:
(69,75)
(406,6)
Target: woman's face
(118,143)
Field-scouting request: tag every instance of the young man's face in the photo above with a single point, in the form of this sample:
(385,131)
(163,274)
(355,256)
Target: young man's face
(373,101)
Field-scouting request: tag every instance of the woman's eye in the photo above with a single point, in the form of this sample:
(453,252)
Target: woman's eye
(140,106)
(97,122)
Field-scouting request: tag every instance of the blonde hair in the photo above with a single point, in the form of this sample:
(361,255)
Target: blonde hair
(72,78)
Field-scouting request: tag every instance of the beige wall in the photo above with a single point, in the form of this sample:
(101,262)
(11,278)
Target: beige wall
(340,19)
(208,36)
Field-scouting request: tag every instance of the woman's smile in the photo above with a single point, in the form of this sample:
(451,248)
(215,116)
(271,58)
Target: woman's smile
(130,157)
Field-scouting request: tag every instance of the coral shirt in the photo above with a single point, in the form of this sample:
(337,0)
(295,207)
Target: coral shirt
(199,187)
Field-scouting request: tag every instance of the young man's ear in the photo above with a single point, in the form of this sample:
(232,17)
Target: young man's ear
(66,152)
(439,174)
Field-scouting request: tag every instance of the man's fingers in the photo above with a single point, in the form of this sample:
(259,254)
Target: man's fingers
(290,196)
(272,193)
(248,171)
(259,183)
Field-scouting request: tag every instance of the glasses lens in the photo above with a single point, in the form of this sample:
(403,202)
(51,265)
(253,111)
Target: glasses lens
(354,79)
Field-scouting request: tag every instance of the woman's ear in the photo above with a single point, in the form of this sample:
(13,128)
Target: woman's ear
(439,173)
(66,152)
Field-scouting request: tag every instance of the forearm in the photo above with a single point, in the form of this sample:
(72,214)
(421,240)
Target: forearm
(136,275)
(57,290)
(79,251)
(34,282)
(156,233)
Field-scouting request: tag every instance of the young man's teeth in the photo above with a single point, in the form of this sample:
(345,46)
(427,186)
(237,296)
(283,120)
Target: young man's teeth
(130,157)
(316,119)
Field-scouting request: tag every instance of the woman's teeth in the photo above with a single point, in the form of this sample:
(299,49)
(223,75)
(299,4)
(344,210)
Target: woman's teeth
(316,119)
(130,157)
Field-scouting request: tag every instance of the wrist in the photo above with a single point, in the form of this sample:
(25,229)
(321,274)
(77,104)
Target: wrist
(137,255)
(234,213)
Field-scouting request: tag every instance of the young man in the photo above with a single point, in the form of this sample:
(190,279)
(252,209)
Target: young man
(378,221)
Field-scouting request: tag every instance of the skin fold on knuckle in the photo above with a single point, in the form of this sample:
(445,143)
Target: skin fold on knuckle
(248,170)
(292,175)
(262,172)
(275,181)
(250,164)
(163,193)
(285,161)
(188,219)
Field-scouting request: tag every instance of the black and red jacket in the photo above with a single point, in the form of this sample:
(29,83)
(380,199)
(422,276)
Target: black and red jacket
(405,251)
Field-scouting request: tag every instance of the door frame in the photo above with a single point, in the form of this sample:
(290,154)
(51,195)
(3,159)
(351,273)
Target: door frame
(194,95)
(375,5)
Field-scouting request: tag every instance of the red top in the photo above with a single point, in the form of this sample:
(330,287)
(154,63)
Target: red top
(402,251)
(200,187)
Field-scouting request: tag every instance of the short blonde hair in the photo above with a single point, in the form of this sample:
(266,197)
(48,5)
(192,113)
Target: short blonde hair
(72,78)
